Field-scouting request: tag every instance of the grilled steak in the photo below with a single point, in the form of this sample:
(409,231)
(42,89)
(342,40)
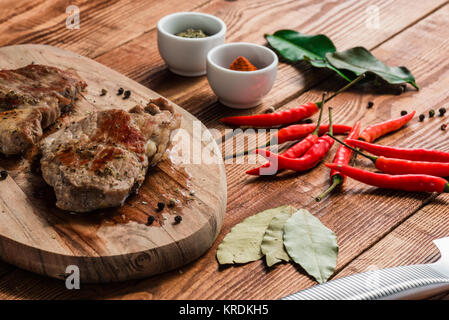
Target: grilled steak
(31,99)
(98,161)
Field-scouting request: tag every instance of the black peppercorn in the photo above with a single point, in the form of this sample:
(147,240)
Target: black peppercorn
(160,206)
(127,94)
(421,117)
(443,127)
(120,91)
(370,104)
(171,202)
(150,220)
(3,174)
(178,219)
(400,89)
(270,110)
(66,108)
(403,113)
(431,113)
(103,92)
(442,111)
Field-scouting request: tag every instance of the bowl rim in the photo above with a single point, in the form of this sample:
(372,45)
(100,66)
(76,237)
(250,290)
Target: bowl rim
(249,44)
(219,34)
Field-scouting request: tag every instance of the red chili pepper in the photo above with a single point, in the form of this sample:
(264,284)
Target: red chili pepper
(309,160)
(378,130)
(276,118)
(300,148)
(296,150)
(407,182)
(401,153)
(285,116)
(342,156)
(299,131)
(401,166)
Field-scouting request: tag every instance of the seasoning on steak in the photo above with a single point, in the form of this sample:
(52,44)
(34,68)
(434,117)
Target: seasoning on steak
(31,99)
(98,161)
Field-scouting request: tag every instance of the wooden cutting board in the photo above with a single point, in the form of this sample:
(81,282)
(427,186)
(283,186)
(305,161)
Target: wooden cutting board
(113,244)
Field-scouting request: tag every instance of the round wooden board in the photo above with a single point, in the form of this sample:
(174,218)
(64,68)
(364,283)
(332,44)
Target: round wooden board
(113,244)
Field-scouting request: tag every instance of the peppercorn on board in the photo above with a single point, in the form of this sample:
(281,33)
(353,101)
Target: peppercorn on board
(140,238)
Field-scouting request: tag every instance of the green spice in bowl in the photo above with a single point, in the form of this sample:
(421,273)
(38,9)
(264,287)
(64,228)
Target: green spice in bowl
(192,33)
(185,38)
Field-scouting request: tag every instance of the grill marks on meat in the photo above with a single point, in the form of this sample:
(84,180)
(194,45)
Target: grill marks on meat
(98,161)
(116,127)
(31,99)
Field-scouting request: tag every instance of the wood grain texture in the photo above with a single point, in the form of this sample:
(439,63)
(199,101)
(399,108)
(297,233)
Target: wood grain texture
(400,248)
(104,24)
(360,216)
(111,244)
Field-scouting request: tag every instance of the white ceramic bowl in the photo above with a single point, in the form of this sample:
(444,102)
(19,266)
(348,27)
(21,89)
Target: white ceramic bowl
(241,89)
(187,56)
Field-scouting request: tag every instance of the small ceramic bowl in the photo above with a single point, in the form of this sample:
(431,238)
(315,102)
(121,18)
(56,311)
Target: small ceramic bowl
(241,89)
(187,56)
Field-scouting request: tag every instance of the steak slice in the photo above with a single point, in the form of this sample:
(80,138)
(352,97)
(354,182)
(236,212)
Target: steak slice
(31,99)
(98,161)
(19,130)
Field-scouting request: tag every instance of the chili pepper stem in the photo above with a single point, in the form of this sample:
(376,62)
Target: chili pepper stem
(356,150)
(323,101)
(331,131)
(446,188)
(336,181)
(350,84)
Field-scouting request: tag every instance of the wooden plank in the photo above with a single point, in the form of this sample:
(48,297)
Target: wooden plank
(104,24)
(409,243)
(13,8)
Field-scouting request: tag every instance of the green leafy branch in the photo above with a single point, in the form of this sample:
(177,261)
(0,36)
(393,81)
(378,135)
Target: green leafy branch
(320,52)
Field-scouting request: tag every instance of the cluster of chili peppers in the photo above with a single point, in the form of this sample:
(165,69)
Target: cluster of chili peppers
(344,153)
(342,156)
(403,169)
(303,156)
(286,117)
(408,169)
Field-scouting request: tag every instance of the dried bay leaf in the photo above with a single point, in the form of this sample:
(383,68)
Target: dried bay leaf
(311,244)
(242,243)
(272,243)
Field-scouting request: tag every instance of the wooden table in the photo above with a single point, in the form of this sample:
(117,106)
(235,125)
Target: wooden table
(375,228)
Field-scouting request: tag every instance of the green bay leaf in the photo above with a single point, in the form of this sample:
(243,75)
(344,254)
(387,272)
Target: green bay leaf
(242,243)
(311,244)
(294,46)
(272,243)
(359,60)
